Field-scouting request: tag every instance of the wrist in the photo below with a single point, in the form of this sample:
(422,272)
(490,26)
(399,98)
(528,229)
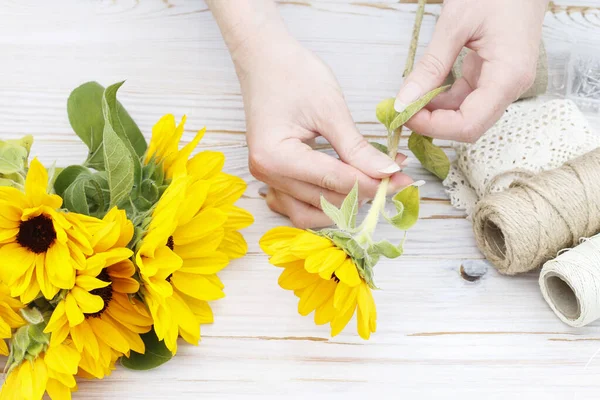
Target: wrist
(250,28)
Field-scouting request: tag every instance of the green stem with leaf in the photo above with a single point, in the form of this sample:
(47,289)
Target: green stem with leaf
(370,222)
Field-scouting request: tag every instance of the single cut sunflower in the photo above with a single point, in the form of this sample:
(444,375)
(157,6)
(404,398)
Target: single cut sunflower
(39,248)
(324,277)
(9,317)
(52,372)
(98,313)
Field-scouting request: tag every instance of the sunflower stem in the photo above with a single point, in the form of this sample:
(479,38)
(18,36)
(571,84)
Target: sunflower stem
(367,228)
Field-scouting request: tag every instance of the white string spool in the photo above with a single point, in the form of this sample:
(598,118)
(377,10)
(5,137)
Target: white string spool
(570,283)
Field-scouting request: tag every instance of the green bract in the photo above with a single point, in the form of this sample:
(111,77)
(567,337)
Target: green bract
(357,241)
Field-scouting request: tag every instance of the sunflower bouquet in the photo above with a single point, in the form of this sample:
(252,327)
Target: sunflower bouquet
(113,259)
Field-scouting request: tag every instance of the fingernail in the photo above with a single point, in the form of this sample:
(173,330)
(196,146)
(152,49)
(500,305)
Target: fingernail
(407,161)
(263,190)
(392,168)
(418,183)
(408,94)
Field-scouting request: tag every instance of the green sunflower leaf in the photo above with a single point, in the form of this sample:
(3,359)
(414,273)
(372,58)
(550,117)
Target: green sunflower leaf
(385,112)
(332,212)
(130,134)
(381,147)
(410,199)
(156,354)
(431,156)
(150,190)
(84,108)
(119,166)
(121,122)
(349,209)
(75,199)
(387,249)
(26,142)
(13,158)
(407,207)
(67,176)
(86,117)
(415,107)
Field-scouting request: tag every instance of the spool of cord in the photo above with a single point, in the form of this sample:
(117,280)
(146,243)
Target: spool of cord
(570,283)
(528,224)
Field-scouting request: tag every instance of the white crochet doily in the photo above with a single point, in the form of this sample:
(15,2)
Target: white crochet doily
(530,137)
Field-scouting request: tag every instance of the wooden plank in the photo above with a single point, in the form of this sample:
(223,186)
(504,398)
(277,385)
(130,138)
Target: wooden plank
(440,333)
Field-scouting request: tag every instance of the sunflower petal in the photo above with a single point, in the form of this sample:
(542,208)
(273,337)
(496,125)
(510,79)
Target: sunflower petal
(294,278)
(348,273)
(311,299)
(197,286)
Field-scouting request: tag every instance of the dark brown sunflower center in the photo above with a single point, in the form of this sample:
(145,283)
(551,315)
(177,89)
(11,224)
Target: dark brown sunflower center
(335,278)
(106,293)
(37,234)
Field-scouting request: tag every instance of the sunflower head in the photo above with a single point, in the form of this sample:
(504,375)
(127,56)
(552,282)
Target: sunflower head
(41,249)
(192,234)
(50,371)
(324,277)
(100,315)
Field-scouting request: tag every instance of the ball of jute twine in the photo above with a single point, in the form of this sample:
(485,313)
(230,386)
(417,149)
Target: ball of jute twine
(570,283)
(536,217)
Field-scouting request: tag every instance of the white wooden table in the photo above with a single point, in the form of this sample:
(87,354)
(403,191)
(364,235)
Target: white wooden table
(439,335)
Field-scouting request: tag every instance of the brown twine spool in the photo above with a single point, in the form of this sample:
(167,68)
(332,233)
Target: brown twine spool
(529,223)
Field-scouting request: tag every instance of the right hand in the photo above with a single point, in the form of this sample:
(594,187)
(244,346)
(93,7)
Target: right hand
(290,98)
(505,37)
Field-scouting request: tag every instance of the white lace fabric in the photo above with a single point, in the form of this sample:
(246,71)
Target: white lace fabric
(531,137)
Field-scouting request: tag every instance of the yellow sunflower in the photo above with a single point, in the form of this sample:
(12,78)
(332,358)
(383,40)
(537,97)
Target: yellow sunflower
(164,146)
(193,234)
(98,313)
(52,372)
(9,317)
(40,249)
(324,277)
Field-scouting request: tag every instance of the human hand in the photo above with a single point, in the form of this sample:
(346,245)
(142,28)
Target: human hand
(290,98)
(504,36)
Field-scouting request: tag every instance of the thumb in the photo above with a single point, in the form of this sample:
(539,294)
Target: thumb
(354,149)
(435,65)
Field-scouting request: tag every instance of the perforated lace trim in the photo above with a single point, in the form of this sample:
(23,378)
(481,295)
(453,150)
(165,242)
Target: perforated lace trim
(531,137)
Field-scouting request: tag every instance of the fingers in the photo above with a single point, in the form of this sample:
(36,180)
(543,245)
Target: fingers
(339,129)
(294,159)
(498,86)
(453,98)
(433,68)
(307,192)
(302,215)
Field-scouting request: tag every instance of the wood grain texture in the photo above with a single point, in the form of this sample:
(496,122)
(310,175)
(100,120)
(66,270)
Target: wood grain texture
(439,335)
